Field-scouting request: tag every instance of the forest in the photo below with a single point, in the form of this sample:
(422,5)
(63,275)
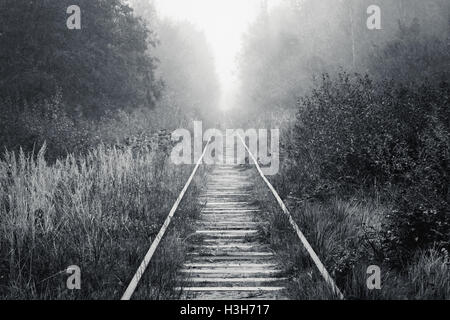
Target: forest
(86,118)
(365,145)
(86,121)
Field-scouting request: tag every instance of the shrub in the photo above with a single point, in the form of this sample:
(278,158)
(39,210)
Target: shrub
(28,127)
(354,133)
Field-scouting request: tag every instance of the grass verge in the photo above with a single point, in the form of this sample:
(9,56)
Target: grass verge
(100,212)
(344,234)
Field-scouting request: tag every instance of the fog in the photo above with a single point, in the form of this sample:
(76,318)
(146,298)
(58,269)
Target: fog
(292,41)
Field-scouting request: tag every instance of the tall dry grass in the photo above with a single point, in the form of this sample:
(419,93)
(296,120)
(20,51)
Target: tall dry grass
(346,236)
(100,211)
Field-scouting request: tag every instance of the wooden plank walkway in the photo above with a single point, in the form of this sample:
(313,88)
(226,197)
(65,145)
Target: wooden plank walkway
(228,258)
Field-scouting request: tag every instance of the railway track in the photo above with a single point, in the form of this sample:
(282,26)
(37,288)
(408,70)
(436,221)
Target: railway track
(228,257)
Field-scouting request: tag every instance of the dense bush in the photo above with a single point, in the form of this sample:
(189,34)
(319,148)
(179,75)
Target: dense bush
(352,132)
(29,126)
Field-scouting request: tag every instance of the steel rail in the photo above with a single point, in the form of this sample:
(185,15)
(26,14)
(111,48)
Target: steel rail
(144,264)
(328,279)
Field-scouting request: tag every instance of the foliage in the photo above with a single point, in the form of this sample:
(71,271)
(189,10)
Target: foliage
(29,126)
(104,66)
(352,133)
(74,89)
(188,68)
(296,41)
(186,63)
(413,56)
(345,233)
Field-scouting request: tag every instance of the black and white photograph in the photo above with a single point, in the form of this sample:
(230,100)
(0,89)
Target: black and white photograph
(225,156)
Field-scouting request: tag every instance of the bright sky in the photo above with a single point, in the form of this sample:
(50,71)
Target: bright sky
(224,22)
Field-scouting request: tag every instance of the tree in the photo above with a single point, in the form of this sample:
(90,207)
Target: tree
(186,63)
(285,49)
(104,66)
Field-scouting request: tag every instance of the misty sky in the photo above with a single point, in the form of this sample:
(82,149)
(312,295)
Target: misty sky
(223,21)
